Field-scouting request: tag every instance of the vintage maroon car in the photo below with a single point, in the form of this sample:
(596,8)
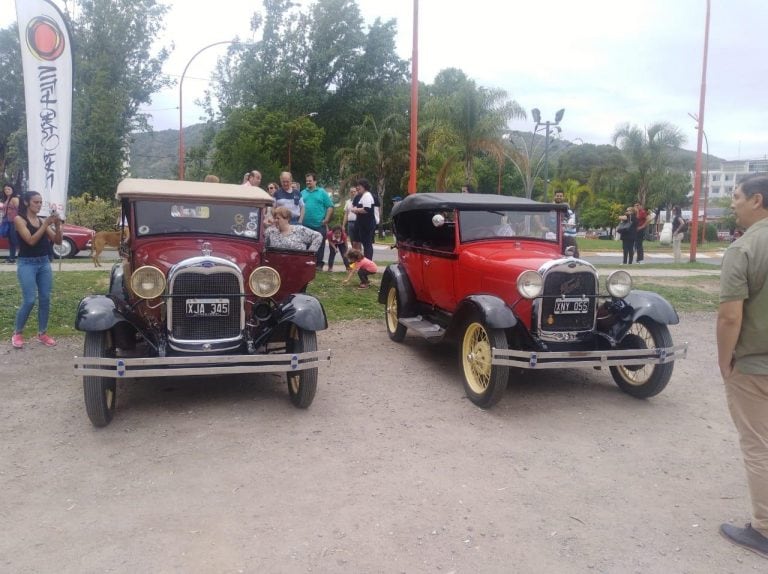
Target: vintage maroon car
(75,239)
(198,293)
(491,272)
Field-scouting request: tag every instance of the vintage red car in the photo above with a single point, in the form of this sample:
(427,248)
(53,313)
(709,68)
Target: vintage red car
(492,272)
(75,239)
(198,293)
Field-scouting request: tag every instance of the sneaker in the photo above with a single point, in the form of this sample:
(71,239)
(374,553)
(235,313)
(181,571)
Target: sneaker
(17,340)
(46,340)
(329,270)
(363,285)
(746,537)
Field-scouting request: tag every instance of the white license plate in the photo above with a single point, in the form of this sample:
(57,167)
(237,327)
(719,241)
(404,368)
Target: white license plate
(207,307)
(571,306)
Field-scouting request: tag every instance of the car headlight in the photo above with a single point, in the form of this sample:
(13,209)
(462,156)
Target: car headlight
(264,281)
(530,284)
(619,284)
(148,282)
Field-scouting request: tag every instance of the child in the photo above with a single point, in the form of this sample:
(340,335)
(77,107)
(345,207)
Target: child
(364,266)
(337,241)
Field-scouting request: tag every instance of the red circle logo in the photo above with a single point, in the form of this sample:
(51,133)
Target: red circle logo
(44,38)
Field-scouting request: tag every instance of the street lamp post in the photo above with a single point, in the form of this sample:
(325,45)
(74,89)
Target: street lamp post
(548,125)
(290,134)
(181,117)
(706,186)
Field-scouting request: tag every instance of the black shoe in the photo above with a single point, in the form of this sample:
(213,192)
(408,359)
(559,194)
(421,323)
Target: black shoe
(746,537)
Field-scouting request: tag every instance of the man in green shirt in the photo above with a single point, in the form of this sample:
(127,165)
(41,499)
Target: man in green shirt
(318,209)
(742,350)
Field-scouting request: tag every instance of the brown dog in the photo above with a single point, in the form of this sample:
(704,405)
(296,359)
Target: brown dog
(104,239)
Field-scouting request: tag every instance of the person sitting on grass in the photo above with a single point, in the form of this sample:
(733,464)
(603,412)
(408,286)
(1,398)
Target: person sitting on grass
(362,265)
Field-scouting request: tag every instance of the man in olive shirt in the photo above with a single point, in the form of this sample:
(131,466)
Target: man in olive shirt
(742,350)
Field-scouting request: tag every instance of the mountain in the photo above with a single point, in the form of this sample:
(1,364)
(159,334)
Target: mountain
(155,155)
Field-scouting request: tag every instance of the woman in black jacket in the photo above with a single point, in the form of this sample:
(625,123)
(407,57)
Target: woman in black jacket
(628,232)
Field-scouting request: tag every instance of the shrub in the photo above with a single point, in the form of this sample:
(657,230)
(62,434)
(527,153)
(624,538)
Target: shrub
(95,213)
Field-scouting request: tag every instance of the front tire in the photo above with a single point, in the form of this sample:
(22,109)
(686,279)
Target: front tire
(302,385)
(643,381)
(100,392)
(66,250)
(484,383)
(395,329)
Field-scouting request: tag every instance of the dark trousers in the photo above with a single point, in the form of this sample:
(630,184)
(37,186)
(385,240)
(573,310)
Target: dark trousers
(365,234)
(628,245)
(322,230)
(342,249)
(639,244)
(363,274)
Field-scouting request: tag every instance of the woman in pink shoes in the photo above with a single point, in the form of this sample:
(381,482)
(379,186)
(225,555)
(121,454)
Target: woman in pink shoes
(33,267)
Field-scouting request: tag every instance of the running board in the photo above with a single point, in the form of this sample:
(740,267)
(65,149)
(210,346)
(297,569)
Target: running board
(421,326)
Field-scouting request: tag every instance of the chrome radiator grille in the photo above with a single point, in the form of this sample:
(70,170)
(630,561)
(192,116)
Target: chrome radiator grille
(559,285)
(191,284)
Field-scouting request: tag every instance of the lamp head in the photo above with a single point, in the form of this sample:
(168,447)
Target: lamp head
(559,115)
(536,115)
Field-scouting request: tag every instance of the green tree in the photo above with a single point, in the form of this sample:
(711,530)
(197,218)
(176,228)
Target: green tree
(576,194)
(115,73)
(648,151)
(12,128)
(469,122)
(379,151)
(586,161)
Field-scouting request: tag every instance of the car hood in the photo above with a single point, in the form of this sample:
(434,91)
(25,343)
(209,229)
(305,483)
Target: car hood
(519,256)
(69,228)
(165,252)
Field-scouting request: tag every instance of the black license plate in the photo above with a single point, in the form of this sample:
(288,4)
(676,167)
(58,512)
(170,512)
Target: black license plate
(571,306)
(207,307)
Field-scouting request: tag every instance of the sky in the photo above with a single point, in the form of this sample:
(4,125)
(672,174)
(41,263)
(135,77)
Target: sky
(606,62)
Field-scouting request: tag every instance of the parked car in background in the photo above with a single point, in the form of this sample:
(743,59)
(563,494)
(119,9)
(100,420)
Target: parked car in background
(491,273)
(75,239)
(197,294)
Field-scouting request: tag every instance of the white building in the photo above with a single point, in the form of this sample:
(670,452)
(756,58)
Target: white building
(723,177)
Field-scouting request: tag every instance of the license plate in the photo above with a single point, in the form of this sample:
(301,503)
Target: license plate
(207,307)
(571,306)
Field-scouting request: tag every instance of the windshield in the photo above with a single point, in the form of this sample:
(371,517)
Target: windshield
(160,217)
(494,224)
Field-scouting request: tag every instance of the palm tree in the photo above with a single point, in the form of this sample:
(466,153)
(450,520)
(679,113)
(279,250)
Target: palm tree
(649,151)
(467,124)
(378,148)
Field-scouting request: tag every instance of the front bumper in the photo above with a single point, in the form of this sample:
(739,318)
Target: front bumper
(573,359)
(133,368)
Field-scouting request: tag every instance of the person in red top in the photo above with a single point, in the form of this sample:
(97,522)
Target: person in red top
(642,222)
(337,241)
(364,266)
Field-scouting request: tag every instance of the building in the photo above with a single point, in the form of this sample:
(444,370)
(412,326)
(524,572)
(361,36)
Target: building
(722,180)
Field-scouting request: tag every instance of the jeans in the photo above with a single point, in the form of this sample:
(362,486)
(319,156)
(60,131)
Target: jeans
(364,274)
(342,249)
(639,244)
(13,242)
(36,279)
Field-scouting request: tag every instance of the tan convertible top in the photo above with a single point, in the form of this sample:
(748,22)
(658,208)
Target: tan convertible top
(194,190)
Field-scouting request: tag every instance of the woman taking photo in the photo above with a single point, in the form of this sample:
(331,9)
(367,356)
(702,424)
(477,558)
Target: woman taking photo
(628,232)
(33,266)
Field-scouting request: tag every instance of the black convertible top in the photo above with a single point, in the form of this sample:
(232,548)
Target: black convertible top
(471,201)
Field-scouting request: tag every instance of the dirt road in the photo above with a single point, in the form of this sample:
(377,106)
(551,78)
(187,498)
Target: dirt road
(390,470)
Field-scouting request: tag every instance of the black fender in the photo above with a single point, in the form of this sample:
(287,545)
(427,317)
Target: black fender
(493,311)
(116,284)
(395,275)
(652,305)
(303,310)
(97,313)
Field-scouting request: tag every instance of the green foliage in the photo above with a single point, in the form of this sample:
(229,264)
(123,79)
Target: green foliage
(12,119)
(590,164)
(602,213)
(93,212)
(115,73)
